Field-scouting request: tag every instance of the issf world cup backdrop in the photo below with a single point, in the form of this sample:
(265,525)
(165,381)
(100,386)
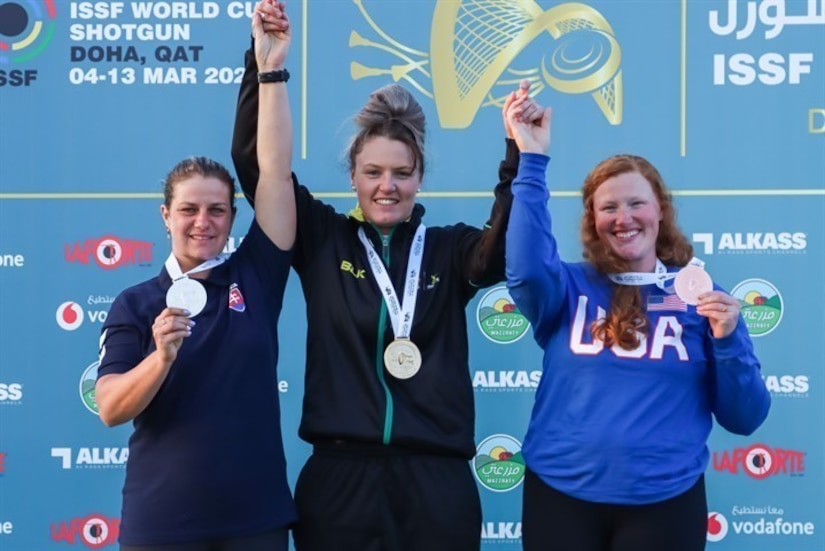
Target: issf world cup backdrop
(98,100)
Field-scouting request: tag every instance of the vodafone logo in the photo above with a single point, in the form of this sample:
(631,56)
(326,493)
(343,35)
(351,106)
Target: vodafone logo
(69,316)
(717,526)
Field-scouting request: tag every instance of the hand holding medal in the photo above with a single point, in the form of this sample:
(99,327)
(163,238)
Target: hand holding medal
(170,328)
(694,286)
(722,311)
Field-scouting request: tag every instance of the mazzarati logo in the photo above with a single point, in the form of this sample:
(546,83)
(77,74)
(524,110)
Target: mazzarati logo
(760,461)
(717,526)
(761,305)
(87,388)
(498,464)
(30,24)
(499,318)
(752,243)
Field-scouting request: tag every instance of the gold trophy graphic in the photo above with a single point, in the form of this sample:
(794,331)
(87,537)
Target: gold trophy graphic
(474,42)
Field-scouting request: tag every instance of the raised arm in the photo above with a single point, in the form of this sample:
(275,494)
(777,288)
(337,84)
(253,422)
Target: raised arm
(245,137)
(274,194)
(484,258)
(534,270)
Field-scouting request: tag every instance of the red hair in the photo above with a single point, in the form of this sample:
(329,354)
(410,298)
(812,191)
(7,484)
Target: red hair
(627,315)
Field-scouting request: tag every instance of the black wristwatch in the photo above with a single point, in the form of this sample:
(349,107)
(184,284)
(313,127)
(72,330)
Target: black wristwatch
(281,75)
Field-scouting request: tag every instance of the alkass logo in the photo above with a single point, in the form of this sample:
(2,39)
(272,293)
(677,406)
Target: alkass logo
(110,252)
(2,463)
(506,380)
(753,243)
(94,531)
(11,393)
(760,461)
(92,458)
(787,386)
(717,526)
(501,532)
(70,315)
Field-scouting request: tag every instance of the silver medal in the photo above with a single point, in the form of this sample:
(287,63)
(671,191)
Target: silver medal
(188,294)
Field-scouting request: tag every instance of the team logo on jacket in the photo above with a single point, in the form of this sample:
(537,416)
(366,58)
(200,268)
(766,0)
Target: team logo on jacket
(499,319)
(498,464)
(761,305)
(236,301)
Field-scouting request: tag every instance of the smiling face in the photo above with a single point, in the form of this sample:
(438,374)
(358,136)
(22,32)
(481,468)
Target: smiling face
(199,218)
(627,216)
(386,179)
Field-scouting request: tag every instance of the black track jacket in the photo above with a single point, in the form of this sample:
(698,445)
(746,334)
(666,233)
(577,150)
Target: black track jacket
(349,395)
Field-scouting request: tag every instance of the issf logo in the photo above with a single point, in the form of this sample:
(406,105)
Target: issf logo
(499,318)
(498,464)
(30,24)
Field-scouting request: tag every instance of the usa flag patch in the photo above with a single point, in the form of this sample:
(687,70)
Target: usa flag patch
(236,301)
(666,303)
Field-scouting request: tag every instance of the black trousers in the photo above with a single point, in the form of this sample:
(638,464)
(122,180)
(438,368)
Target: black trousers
(553,521)
(372,498)
(270,541)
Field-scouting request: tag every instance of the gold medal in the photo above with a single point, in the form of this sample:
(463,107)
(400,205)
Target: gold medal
(402,358)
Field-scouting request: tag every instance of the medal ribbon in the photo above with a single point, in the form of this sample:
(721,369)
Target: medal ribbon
(401,315)
(659,276)
(173,267)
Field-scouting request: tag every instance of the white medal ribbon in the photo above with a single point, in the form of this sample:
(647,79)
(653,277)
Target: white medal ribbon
(187,292)
(401,314)
(659,276)
(176,273)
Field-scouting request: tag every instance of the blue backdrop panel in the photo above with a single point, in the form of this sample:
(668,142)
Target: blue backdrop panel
(99,99)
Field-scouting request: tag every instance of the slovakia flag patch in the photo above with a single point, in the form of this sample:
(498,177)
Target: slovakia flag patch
(236,301)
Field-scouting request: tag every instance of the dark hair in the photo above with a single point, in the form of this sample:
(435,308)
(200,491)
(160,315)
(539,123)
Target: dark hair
(202,166)
(391,112)
(627,314)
